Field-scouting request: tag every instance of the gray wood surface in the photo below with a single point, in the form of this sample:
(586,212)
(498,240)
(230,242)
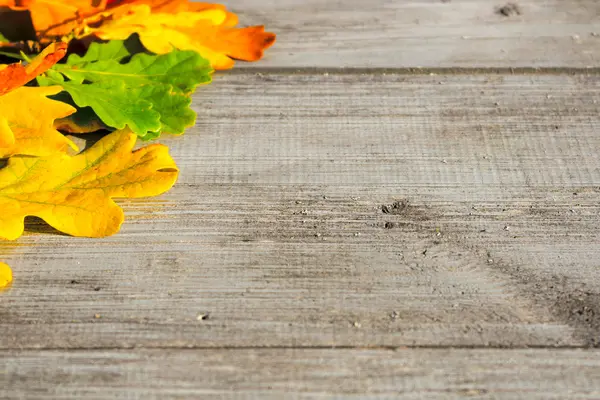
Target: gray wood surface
(277,226)
(427,33)
(302,373)
(362,232)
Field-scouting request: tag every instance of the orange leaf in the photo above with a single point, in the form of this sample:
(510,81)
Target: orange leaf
(204,28)
(17,75)
(246,44)
(55,17)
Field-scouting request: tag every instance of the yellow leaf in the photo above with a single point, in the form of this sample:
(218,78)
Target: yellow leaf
(78,127)
(5,275)
(74,194)
(207,31)
(177,6)
(26,114)
(27,122)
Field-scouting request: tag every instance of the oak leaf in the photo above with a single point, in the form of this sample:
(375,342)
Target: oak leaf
(74,193)
(184,70)
(115,104)
(56,17)
(5,275)
(176,6)
(84,120)
(148,93)
(208,31)
(27,122)
(26,113)
(16,75)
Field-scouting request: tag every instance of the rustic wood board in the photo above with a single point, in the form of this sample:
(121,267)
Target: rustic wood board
(283,229)
(333,208)
(301,373)
(427,33)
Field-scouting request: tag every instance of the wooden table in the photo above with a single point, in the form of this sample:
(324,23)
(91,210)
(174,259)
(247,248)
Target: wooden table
(401,199)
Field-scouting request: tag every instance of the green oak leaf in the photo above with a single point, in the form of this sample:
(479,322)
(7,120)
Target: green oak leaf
(175,113)
(115,105)
(174,107)
(117,50)
(149,93)
(183,70)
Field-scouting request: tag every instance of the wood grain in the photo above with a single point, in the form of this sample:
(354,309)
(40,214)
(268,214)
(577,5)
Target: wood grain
(343,210)
(301,374)
(343,229)
(426,33)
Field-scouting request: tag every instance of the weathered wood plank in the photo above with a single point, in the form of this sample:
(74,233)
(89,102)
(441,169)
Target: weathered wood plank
(277,228)
(308,373)
(427,33)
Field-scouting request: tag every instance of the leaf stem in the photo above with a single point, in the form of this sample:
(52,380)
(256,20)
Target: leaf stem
(13,55)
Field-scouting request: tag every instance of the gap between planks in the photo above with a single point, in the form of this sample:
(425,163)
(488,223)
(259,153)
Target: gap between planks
(244,70)
(515,348)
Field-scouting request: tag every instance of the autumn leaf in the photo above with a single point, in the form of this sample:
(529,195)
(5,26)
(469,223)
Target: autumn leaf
(148,110)
(207,31)
(84,120)
(26,113)
(74,194)
(56,17)
(5,275)
(147,93)
(172,105)
(177,6)
(116,106)
(183,70)
(115,50)
(16,75)
(27,122)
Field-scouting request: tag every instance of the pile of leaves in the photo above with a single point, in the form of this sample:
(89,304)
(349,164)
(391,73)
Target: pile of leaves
(126,69)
